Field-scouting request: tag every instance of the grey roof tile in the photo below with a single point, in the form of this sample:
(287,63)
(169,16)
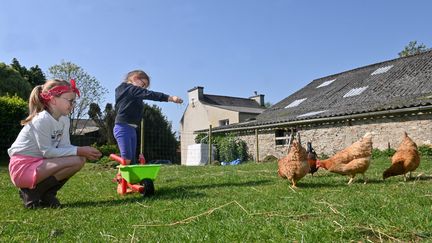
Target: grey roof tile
(229,101)
(408,83)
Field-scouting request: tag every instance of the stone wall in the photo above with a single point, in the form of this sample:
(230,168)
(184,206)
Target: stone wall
(329,138)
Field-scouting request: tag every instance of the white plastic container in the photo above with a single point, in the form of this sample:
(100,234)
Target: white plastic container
(197,154)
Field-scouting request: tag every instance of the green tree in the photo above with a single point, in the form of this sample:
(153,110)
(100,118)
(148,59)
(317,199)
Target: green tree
(90,89)
(11,82)
(413,48)
(17,66)
(34,75)
(159,139)
(105,122)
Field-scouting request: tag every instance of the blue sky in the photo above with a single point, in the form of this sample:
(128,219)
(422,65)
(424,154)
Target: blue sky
(230,47)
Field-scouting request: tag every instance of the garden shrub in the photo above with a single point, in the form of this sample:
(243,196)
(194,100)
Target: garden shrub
(13,109)
(231,148)
(107,149)
(425,151)
(228,147)
(386,153)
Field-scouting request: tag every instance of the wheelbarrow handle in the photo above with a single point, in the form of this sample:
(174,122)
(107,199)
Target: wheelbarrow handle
(118,159)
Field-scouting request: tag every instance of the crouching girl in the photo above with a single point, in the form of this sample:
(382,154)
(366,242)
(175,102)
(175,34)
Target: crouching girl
(42,158)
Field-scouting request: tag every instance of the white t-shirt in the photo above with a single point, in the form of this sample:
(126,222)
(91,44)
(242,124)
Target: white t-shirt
(44,137)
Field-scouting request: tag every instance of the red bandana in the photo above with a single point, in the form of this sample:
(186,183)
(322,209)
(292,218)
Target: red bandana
(59,90)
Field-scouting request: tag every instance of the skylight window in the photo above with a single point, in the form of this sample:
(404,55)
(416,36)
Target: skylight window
(326,83)
(355,92)
(382,70)
(313,113)
(295,103)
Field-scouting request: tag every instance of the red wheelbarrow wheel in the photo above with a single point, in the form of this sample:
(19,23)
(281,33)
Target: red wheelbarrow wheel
(148,187)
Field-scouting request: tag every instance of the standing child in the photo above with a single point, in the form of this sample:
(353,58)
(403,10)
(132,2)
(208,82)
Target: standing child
(42,158)
(129,96)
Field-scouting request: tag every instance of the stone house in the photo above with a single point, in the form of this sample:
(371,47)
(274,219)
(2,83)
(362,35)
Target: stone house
(84,126)
(332,112)
(86,132)
(204,110)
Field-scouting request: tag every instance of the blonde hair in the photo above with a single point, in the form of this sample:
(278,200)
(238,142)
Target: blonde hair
(35,102)
(139,73)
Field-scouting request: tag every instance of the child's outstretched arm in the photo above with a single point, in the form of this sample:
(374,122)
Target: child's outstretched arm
(175,99)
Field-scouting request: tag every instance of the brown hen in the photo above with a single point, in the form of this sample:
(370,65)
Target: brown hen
(294,166)
(406,159)
(353,160)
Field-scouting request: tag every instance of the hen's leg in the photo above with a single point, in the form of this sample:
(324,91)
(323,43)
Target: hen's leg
(351,179)
(364,178)
(293,183)
(405,177)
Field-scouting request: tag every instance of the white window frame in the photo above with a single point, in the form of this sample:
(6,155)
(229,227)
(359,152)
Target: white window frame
(224,122)
(382,70)
(295,103)
(326,83)
(355,91)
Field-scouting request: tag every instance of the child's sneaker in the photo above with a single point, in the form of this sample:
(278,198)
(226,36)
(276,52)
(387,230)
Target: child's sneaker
(30,198)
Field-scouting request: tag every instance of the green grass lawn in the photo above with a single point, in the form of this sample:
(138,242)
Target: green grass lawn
(246,203)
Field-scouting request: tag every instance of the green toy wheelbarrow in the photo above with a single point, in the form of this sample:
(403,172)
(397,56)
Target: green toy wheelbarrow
(135,178)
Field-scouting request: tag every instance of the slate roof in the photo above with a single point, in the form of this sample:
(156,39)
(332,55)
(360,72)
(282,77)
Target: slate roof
(386,86)
(233,103)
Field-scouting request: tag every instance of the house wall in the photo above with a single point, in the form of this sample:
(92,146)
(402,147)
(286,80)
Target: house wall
(331,138)
(217,114)
(194,118)
(199,117)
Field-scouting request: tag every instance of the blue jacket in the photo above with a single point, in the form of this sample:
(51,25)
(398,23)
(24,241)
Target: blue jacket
(129,102)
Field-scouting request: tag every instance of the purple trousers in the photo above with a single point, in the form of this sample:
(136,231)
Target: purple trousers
(126,137)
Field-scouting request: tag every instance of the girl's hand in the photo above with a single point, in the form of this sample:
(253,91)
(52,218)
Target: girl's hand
(175,99)
(89,152)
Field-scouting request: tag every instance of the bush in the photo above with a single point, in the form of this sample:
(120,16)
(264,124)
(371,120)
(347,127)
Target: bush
(425,150)
(228,147)
(13,109)
(231,148)
(202,138)
(376,153)
(107,149)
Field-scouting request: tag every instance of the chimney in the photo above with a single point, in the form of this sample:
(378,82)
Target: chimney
(195,95)
(259,98)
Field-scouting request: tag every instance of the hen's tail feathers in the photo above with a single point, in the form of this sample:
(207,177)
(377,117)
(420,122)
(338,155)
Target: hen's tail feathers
(309,147)
(313,166)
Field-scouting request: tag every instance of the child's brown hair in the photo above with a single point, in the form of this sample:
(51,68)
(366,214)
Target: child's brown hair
(139,73)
